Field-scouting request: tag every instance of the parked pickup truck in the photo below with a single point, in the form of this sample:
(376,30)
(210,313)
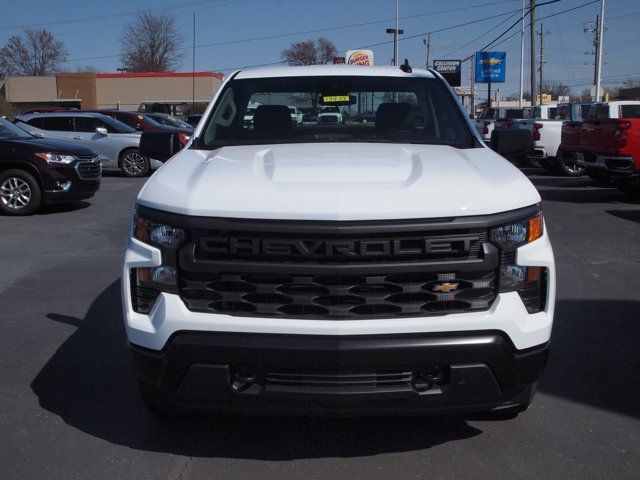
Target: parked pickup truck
(610,143)
(486,121)
(546,127)
(333,269)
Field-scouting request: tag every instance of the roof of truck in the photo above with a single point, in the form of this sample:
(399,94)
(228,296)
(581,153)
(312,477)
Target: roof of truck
(330,71)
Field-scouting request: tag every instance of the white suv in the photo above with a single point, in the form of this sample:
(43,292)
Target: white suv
(367,268)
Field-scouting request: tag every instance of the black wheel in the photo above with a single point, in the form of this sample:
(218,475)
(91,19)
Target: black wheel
(134,164)
(569,169)
(599,178)
(20,193)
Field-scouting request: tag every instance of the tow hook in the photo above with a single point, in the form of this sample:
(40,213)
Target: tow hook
(424,381)
(241,383)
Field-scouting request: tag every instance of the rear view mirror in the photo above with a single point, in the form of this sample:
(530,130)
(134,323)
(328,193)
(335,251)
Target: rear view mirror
(102,131)
(512,143)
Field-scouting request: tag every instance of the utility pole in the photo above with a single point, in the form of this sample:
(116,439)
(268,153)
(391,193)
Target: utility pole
(599,53)
(541,58)
(396,31)
(532,13)
(473,86)
(193,76)
(395,44)
(427,42)
(521,56)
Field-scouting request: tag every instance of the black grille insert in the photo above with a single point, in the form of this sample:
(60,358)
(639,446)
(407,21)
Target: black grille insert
(337,297)
(89,170)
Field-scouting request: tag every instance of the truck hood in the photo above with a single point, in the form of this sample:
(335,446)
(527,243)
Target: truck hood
(344,181)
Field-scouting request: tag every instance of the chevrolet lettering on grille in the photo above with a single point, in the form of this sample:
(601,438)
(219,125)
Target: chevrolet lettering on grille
(219,246)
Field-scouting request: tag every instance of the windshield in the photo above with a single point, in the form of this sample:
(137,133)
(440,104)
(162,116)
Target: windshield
(8,131)
(407,110)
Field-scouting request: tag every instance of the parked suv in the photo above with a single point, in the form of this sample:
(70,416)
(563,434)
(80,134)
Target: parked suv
(35,171)
(379,268)
(116,143)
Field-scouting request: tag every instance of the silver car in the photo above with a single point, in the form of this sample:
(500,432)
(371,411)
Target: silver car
(117,144)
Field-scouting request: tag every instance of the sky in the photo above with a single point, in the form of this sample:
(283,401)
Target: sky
(230,33)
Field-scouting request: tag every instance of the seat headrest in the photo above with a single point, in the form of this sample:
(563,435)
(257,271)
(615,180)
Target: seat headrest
(391,116)
(272,119)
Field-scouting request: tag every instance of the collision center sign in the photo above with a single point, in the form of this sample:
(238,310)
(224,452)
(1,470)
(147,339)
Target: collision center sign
(491,67)
(450,70)
(362,58)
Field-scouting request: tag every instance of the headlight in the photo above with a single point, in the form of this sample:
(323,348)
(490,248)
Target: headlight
(148,282)
(529,282)
(158,234)
(56,158)
(514,235)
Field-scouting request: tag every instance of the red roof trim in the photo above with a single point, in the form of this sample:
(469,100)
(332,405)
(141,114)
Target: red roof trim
(159,75)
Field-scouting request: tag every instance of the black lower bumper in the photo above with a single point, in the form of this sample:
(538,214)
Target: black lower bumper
(340,375)
(81,190)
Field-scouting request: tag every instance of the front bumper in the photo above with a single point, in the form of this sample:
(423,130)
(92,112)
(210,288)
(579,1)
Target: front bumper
(334,375)
(507,314)
(65,184)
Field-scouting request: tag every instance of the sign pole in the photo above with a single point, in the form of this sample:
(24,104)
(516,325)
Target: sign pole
(489,94)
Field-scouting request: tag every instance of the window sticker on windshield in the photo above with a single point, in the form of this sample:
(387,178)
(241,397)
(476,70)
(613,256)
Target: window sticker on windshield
(335,99)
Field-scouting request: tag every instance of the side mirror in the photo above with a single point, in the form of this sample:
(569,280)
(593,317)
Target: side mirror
(160,144)
(512,143)
(102,131)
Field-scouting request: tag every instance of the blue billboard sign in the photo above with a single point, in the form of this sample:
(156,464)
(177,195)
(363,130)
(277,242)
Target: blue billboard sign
(491,67)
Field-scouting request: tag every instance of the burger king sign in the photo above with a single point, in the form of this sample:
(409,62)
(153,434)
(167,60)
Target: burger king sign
(362,58)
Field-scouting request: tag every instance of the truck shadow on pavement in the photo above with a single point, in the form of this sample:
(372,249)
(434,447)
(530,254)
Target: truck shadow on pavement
(89,383)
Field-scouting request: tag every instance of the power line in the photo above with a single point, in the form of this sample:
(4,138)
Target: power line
(118,14)
(339,27)
(443,29)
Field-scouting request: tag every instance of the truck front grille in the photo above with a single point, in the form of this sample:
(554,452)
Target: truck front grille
(335,274)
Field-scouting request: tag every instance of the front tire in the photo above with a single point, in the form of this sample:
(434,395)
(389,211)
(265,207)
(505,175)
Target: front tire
(20,193)
(133,164)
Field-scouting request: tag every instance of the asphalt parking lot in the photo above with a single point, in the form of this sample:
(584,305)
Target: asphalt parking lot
(69,407)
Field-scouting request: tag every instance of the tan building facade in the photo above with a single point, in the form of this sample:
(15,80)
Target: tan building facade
(124,91)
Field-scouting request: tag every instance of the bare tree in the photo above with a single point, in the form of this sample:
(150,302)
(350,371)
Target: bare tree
(555,89)
(151,43)
(310,52)
(34,53)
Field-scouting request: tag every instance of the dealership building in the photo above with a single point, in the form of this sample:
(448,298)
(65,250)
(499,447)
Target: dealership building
(168,92)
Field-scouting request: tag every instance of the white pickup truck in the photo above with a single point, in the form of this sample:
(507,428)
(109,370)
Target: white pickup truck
(490,118)
(389,267)
(545,124)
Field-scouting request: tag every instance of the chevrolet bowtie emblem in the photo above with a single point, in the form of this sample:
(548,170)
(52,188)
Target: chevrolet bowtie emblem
(445,287)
